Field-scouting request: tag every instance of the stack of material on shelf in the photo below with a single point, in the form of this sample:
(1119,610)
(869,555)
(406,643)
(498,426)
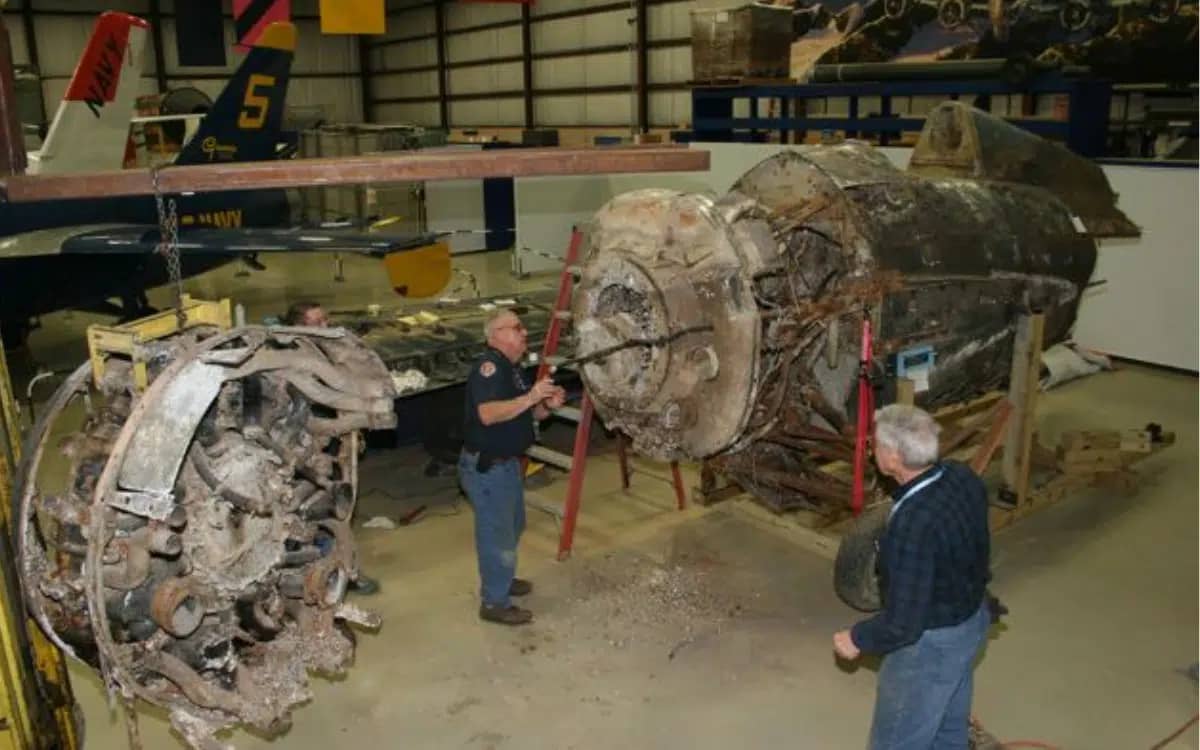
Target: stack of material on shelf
(751,41)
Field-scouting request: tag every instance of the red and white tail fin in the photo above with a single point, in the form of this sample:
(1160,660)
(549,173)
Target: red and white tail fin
(91,128)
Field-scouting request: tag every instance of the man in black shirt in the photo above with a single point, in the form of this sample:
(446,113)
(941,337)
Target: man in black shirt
(934,570)
(499,412)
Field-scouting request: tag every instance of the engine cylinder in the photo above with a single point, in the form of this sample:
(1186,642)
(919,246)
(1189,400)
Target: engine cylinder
(164,559)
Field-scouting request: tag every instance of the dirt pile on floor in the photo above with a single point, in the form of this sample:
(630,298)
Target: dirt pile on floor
(628,599)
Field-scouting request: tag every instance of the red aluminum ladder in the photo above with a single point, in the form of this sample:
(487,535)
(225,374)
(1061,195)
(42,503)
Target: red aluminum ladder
(577,464)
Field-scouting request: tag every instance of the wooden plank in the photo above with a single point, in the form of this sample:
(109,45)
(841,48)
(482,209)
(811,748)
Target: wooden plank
(1135,441)
(1022,393)
(714,487)
(1100,459)
(968,408)
(983,455)
(353,170)
(969,428)
(1086,439)
(1042,457)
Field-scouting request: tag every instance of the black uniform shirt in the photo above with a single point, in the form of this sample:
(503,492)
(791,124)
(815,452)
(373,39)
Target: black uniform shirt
(494,378)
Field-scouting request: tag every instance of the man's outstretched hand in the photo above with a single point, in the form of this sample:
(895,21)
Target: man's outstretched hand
(844,646)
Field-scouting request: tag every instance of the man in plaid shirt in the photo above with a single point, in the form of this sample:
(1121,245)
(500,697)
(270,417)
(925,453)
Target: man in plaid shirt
(934,570)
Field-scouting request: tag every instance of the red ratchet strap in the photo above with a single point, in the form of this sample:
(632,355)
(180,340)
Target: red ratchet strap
(866,413)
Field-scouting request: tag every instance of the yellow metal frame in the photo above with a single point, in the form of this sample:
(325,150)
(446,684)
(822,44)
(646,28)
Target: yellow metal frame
(37,707)
(127,340)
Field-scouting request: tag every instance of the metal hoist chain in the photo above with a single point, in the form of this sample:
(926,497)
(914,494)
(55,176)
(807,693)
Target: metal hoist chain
(168,245)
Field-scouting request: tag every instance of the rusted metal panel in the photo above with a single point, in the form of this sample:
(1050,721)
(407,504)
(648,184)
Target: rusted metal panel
(678,266)
(771,276)
(215,593)
(959,141)
(162,442)
(354,170)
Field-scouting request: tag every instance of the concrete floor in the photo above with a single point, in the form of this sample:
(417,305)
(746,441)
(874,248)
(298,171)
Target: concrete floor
(711,628)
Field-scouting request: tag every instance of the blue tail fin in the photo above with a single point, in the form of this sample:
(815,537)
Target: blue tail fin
(245,121)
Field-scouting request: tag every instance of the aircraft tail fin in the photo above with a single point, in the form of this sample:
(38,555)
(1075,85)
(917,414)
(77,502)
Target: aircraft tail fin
(246,120)
(90,130)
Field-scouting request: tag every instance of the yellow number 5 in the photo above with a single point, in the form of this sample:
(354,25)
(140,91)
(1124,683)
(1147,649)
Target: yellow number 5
(256,104)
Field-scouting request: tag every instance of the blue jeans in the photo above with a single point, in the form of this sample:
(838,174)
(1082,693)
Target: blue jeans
(924,697)
(498,497)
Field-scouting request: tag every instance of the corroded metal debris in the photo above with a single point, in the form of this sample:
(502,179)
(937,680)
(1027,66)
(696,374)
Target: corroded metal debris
(199,550)
(760,294)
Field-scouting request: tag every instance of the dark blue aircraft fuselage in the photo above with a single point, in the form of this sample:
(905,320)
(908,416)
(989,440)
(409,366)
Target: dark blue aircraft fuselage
(33,285)
(244,124)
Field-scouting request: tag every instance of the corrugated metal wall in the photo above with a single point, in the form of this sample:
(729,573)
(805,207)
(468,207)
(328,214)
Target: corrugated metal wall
(582,73)
(325,73)
(410,45)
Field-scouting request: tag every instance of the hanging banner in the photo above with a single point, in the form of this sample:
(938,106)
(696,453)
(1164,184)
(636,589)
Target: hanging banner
(353,17)
(200,33)
(251,18)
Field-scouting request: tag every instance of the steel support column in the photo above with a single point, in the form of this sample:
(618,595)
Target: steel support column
(156,36)
(364,80)
(643,88)
(443,98)
(527,64)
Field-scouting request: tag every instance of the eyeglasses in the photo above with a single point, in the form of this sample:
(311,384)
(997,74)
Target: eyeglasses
(515,327)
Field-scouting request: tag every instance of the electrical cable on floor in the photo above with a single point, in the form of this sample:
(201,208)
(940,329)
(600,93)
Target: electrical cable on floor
(453,510)
(1174,735)
(422,511)
(1038,745)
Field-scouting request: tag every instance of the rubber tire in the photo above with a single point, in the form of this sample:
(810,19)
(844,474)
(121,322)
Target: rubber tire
(854,576)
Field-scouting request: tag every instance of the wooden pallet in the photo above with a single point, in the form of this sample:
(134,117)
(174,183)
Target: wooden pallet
(1057,482)
(1107,460)
(1000,424)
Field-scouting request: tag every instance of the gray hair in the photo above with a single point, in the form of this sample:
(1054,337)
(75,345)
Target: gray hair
(909,431)
(492,317)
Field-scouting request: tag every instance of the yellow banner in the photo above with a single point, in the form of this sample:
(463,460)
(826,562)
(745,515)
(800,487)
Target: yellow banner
(353,17)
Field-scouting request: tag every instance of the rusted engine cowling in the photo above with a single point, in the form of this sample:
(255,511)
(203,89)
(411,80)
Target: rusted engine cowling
(199,551)
(742,315)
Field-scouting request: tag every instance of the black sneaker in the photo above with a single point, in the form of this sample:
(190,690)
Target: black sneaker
(510,615)
(520,587)
(364,585)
